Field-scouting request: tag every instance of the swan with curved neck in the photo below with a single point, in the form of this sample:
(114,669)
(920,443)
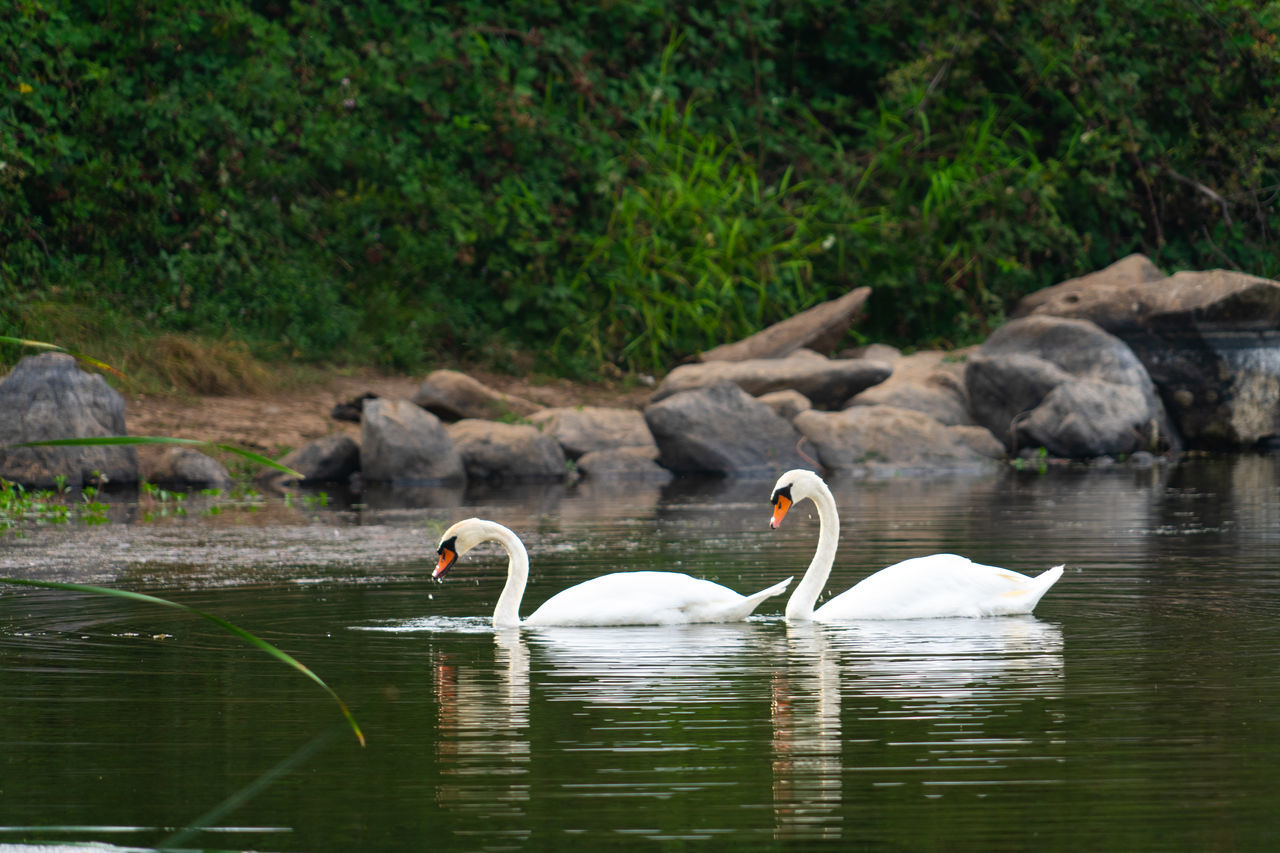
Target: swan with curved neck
(936,586)
(621,598)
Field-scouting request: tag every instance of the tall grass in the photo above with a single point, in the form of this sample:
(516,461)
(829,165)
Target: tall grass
(700,247)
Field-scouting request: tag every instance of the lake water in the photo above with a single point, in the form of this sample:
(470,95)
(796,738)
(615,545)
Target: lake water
(1137,710)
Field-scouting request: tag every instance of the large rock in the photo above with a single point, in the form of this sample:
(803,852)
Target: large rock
(497,451)
(332,459)
(584,429)
(929,381)
(1109,297)
(722,430)
(624,463)
(1068,386)
(1209,340)
(453,396)
(47,397)
(826,382)
(402,443)
(819,328)
(186,468)
(888,439)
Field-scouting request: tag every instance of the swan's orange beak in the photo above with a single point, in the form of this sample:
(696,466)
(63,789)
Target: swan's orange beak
(448,557)
(781,503)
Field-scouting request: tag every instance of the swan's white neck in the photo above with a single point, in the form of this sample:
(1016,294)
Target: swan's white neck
(507,613)
(800,605)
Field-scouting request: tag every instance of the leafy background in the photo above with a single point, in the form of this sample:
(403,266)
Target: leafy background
(619,183)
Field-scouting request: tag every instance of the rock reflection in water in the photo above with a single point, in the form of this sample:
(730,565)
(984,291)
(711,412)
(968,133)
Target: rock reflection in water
(483,747)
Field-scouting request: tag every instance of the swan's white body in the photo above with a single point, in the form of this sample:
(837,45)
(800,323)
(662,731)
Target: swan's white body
(940,585)
(621,598)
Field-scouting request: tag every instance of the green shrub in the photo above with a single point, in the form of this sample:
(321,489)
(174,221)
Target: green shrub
(392,182)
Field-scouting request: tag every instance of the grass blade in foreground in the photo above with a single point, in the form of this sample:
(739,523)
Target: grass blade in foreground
(78,356)
(113,440)
(217,620)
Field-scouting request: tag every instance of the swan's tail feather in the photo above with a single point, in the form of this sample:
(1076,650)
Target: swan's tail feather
(777,589)
(1040,585)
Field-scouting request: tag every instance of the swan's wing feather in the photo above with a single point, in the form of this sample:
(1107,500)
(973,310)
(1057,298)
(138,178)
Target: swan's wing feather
(646,598)
(940,585)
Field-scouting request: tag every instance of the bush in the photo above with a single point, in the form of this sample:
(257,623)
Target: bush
(394,182)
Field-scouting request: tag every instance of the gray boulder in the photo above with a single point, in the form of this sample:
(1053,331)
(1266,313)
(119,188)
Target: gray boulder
(819,328)
(48,397)
(886,439)
(185,468)
(624,463)
(584,429)
(1210,341)
(826,382)
(332,459)
(497,451)
(1056,364)
(722,430)
(402,443)
(453,396)
(931,382)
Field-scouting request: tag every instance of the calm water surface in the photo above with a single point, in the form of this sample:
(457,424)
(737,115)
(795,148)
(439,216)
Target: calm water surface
(1136,710)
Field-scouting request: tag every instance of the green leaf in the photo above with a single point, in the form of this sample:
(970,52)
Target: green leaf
(249,638)
(114,440)
(78,356)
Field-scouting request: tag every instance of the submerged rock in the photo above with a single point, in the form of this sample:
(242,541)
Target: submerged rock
(48,397)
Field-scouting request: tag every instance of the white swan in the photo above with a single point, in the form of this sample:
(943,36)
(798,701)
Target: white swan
(621,598)
(939,585)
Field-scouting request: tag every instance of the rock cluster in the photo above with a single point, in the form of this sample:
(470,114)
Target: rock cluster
(1121,362)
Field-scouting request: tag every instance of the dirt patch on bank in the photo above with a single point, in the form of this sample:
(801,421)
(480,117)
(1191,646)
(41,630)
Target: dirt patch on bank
(276,422)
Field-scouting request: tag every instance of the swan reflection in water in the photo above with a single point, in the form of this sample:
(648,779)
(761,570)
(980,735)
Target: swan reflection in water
(948,675)
(849,706)
(653,666)
(805,710)
(483,719)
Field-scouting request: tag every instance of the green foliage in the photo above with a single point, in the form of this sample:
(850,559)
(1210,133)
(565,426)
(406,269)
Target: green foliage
(696,250)
(394,181)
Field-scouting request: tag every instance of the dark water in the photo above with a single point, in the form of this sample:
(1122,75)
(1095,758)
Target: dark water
(1137,710)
